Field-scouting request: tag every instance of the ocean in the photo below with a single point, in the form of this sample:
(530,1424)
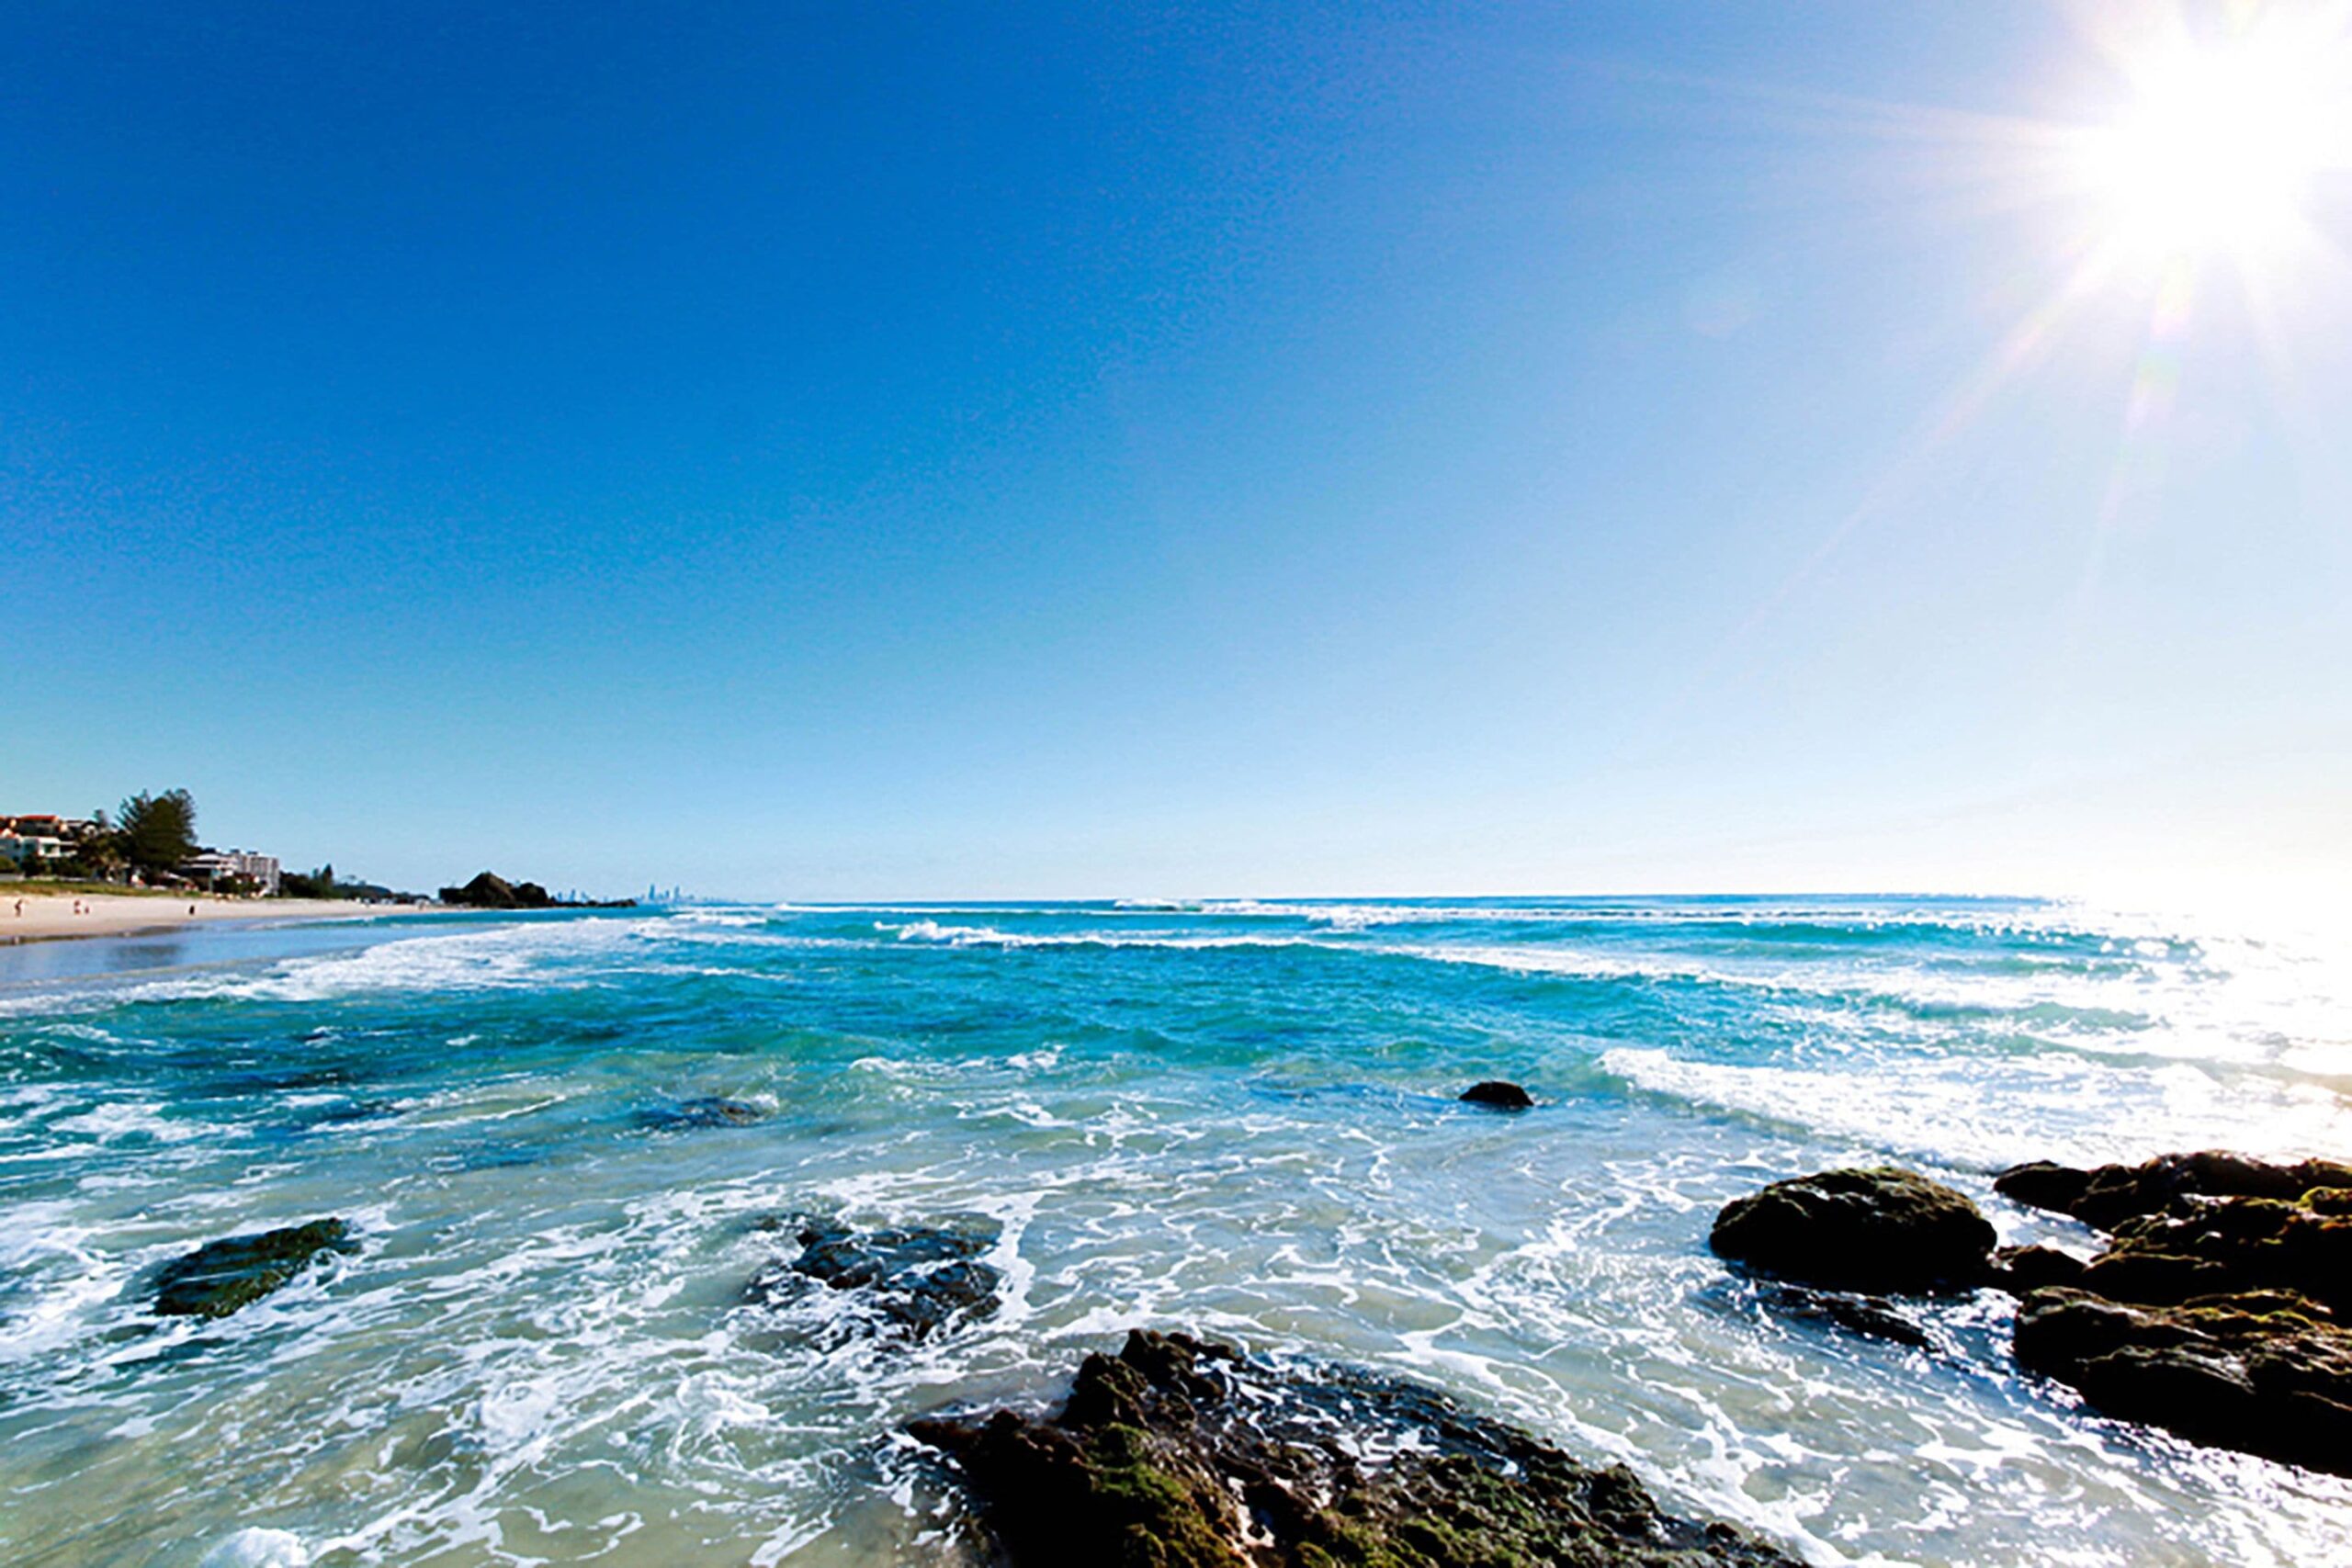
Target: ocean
(1235,1118)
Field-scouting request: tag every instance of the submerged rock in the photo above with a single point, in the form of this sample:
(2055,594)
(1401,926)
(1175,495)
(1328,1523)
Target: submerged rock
(1181,1453)
(2268,1373)
(705,1110)
(2107,1195)
(1864,1230)
(917,1279)
(1499,1095)
(221,1276)
(1836,1309)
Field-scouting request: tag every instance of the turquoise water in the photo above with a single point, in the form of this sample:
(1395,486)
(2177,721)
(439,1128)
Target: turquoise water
(1236,1118)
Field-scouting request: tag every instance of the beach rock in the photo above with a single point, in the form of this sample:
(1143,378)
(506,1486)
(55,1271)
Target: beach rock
(2107,1195)
(1183,1453)
(918,1280)
(2042,1184)
(705,1110)
(2023,1269)
(2268,1373)
(221,1276)
(1501,1096)
(2232,1246)
(1862,1230)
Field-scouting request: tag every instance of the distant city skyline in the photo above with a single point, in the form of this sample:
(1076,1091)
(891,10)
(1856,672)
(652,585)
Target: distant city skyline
(833,453)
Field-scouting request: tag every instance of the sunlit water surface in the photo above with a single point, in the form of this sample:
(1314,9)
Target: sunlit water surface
(1235,1118)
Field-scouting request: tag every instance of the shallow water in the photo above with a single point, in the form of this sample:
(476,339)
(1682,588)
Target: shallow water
(1235,1118)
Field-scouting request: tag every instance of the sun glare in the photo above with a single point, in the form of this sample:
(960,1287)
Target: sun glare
(2217,151)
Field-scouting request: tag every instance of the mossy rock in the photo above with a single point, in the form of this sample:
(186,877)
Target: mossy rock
(2105,1196)
(1879,1229)
(2266,1372)
(2205,1247)
(221,1276)
(1183,1453)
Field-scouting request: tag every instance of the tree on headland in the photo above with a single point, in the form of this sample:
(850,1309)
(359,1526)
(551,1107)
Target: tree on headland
(319,883)
(156,833)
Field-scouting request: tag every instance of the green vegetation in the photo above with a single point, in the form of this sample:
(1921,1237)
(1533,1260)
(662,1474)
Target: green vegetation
(323,883)
(489,890)
(156,833)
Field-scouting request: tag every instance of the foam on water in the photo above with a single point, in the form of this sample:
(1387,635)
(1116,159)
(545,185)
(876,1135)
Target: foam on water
(1231,1116)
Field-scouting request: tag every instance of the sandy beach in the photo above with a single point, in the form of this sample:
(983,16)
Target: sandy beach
(30,917)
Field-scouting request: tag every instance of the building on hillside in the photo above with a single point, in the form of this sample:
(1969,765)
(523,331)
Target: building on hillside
(216,866)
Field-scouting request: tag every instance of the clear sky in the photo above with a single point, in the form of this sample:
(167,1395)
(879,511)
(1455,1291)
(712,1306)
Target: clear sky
(870,450)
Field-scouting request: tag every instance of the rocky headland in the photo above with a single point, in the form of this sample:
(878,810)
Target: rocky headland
(488,890)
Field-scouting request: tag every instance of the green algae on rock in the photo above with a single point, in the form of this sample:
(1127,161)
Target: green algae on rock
(1882,1229)
(1183,1453)
(2106,1195)
(221,1276)
(2268,1373)
(2212,1311)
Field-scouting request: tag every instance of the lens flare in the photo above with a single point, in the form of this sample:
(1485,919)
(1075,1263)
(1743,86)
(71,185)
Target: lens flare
(2218,149)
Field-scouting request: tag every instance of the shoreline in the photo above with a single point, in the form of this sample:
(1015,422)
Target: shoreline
(51,917)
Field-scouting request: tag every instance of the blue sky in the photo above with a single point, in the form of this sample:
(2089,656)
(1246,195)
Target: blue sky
(839,451)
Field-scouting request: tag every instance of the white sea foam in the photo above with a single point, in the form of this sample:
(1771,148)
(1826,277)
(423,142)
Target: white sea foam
(255,1547)
(118,1120)
(504,957)
(1964,1115)
(989,936)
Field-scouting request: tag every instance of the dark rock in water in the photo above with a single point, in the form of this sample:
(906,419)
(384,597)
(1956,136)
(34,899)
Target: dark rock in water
(2232,1246)
(2110,1194)
(221,1276)
(1859,1230)
(2211,1312)
(2041,1184)
(2023,1269)
(707,1111)
(2267,1373)
(1179,1453)
(917,1279)
(1855,1314)
(1501,1095)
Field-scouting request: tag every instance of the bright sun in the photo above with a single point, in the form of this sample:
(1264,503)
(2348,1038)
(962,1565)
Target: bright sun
(2217,151)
